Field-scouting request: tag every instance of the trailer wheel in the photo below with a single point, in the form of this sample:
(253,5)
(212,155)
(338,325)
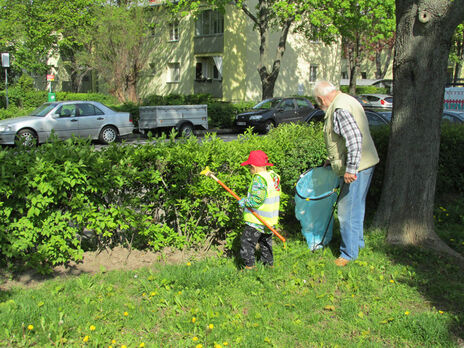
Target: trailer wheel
(186,129)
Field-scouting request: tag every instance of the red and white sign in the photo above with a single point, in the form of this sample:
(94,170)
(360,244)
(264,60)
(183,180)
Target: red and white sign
(50,77)
(454,98)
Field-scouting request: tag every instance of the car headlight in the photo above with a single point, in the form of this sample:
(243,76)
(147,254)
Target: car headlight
(6,128)
(256,117)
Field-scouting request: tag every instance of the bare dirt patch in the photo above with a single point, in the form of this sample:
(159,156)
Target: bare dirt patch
(118,258)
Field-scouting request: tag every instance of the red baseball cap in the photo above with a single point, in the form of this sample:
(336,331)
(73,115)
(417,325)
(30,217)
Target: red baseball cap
(257,158)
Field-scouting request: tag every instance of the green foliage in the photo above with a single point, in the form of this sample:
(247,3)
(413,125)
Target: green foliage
(388,297)
(366,90)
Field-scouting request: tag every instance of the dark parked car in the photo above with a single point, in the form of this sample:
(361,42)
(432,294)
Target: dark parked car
(272,112)
(374,118)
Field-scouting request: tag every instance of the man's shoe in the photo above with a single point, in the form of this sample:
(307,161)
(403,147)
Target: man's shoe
(341,262)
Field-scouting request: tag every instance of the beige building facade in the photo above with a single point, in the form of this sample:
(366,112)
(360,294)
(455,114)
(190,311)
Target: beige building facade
(218,54)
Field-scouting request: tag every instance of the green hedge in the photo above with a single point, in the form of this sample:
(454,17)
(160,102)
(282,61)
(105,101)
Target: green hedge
(150,195)
(62,198)
(366,89)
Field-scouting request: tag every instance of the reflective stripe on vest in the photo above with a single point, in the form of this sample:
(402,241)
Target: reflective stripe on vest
(269,210)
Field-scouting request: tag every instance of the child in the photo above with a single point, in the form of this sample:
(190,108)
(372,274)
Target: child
(264,198)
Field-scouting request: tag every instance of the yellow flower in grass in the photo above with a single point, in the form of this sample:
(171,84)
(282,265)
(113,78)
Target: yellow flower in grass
(123,346)
(113,341)
(225,343)
(141,345)
(92,328)
(30,327)
(153,293)
(392,281)
(85,339)
(441,312)
(211,326)
(189,264)
(199,346)
(406,313)
(195,339)
(217,345)
(194,320)
(126,314)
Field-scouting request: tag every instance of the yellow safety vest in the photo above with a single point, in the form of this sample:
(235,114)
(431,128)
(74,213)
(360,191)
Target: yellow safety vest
(269,210)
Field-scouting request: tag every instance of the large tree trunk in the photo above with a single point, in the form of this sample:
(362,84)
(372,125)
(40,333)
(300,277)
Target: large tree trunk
(424,31)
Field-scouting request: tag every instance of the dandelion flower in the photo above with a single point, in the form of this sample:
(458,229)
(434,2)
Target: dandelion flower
(392,281)
(30,327)
(199,346)
(189,264)
(153,293)
(211,326)
(406,313)
(142,345)
(194,319)
(195,339)
(123,346)
(179,293)
(126,314)
(225,343)
(92,328)
(217,345)
(113,341)
(441,312)
(86,338)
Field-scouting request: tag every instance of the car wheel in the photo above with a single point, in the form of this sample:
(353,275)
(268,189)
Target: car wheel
(108,135)
(26,137)
(186,129)
(268,126)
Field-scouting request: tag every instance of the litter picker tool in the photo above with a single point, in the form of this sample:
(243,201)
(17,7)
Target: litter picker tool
(210,174)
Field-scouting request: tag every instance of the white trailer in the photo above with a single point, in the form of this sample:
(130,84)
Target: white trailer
(184,118)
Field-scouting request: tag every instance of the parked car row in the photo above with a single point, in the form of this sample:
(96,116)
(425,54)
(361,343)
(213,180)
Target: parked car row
(86,119)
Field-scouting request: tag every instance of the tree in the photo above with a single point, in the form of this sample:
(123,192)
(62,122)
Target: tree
(457,52)
(423,40)
(266,16)
(119,47)
(383,47)
(362,24)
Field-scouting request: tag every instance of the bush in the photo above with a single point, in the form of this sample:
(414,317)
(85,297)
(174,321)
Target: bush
(366,90)
(68,198)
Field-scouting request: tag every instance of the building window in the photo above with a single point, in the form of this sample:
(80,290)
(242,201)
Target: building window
(344,74)
(174,31)
(207,69)
(364,75)
(209,23)
(174,72)
(313,73)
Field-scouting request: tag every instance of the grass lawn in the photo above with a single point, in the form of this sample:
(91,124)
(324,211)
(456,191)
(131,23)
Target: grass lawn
(388,297)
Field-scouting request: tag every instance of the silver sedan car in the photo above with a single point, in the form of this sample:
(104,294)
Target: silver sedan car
(86,119)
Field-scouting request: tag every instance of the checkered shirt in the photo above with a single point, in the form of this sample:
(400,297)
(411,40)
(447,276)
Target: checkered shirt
(345,125)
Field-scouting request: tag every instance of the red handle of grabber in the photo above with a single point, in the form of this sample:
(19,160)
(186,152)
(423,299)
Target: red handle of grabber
(251,210)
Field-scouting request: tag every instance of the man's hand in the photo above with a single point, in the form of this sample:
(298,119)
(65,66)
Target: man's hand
(349,178)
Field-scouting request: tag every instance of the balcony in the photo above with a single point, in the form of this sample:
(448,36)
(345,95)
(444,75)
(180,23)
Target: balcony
(212,87)
(208,44)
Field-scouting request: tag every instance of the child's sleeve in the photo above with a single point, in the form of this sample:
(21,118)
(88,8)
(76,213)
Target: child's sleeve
(258,193)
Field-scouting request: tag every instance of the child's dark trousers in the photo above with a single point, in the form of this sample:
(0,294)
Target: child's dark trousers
(250,237)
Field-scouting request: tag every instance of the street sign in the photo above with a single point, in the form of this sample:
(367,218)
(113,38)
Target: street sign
(50,77)
(5,60)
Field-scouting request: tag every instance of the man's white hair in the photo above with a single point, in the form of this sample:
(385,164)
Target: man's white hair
(323,88)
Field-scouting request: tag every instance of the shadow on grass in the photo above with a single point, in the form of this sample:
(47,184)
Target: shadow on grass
(438,278)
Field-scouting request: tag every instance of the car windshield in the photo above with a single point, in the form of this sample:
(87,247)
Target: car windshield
(43,110)
(267,104)
(389,99)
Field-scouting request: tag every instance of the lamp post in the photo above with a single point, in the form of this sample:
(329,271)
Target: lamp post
(6,64)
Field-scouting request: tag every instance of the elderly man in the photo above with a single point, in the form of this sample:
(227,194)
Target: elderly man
(352,155)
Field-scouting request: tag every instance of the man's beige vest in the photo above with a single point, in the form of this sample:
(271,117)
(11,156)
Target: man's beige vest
(335,143)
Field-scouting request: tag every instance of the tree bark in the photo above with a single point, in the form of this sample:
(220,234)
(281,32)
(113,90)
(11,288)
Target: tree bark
(424,32)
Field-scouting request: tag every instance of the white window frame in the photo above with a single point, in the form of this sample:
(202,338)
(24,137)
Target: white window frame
(173,72)
(313,69)
(174,31)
